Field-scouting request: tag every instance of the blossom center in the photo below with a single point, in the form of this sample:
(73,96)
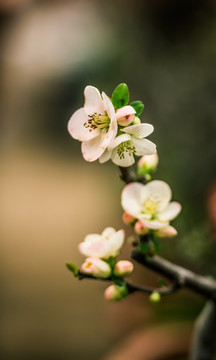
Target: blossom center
(125,146)
(149,206)
(97,121)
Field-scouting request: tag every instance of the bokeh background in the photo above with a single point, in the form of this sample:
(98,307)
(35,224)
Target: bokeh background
(51,198)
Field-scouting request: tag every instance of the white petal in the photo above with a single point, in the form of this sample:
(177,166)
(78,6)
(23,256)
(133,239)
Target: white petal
(144,147)
(131,198)
(153,224)
(172,210)
(77,129)
(105,156)
(161,192)
(92,149)
(116,242)
(93,101)
(109,231)
(110,135)
(95,249)
(140,130)
(118,140)
(108,106)
(126,161)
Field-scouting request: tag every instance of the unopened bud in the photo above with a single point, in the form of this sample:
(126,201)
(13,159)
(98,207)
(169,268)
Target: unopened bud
(168,231)
(148,163)
(125,115)
(140,228)
(115,292)
(127,218)
(155,297)
(136,121)
(96,267)
(123,268)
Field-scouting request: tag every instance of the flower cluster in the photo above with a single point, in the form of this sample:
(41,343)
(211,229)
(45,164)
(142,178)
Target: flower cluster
(101,251)
(148,207)
(111,129)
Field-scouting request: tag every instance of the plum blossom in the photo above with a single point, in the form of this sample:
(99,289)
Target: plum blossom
(96,267)
(103,246)
(95,124)
(150,203)
(123,148)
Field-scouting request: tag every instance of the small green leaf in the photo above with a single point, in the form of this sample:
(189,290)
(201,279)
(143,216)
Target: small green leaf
(120,96)
(73,268)
(138,107)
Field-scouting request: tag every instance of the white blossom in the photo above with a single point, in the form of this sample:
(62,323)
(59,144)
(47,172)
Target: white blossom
(150,203)
(103,246)
(132,142)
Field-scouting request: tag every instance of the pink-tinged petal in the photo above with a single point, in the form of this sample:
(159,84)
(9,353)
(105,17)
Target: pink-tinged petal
(92,237)
(125,111)
(140,130)
(125,115)
(160,192)
(125,161)
(172,210)
(105,157)
(109,108)
(109,231)
(95,249)
(77,129)
(116,241)
(93,101)
(168,231)
(153,224)
(144,147)
(92,149)
(118,140)
(131,198)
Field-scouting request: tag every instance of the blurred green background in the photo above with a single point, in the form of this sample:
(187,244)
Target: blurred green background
(51,198)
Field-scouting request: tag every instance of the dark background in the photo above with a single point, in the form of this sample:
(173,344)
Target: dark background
(51,198)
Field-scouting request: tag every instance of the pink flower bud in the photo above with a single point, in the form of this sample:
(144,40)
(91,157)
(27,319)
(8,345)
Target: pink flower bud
(140,228)
(127,218)
(123,268)
(96,267)
(168,231)
(115,292)
(148,162)
(125,115)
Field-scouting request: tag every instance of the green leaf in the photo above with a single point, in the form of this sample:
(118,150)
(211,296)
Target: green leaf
(73,268)
(138,107)
(120,96)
